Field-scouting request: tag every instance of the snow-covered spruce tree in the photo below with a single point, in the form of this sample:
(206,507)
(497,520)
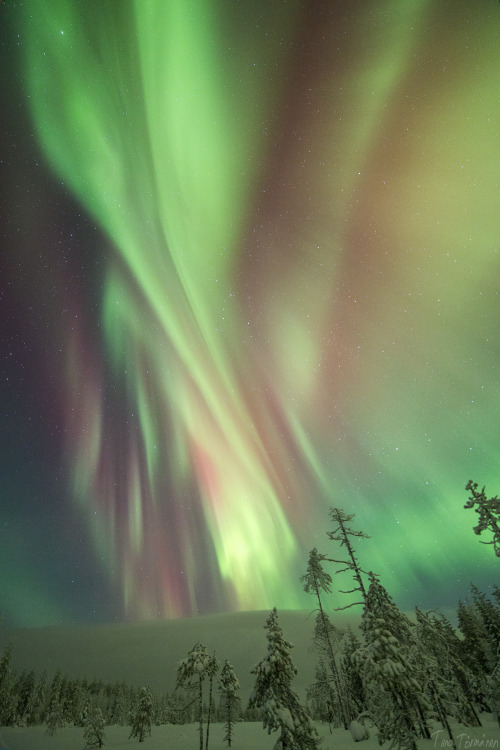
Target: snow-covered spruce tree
(438,644)
(191,674)
(94,729)
(319,697)
(24,691)
(351,678)
(471,684)
(488,510)
(467,680)
(315,581)
(118,704)
(85,708)
(54,717)
(212,668)
(476,648)
(493,691)
(36,715)
(143,716)
(496,594)
(281,707)
(395,700)
(7,697)
(436,675)
(342,533)
(490,615)
(73,703)
(230,702)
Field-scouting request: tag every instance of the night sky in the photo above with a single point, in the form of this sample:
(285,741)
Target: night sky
(250,270)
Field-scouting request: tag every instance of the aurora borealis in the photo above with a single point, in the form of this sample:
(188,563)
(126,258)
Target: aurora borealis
(264,257)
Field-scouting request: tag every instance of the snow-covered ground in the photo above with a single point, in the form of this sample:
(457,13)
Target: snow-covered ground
(247,736)
(149,653)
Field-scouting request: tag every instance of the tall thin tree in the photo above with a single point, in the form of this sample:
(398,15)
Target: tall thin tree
(211,670)
(315,581)
(195,668)
(228,688)
(342,533)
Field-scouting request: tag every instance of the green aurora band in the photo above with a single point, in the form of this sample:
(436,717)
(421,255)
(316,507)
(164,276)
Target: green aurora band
(302,306)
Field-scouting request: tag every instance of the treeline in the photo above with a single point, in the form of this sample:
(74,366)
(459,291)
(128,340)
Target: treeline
(58,700)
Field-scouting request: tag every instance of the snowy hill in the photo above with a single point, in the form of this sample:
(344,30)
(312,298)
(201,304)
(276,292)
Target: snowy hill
(149,652)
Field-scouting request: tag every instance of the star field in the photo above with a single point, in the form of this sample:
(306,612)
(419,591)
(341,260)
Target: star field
(251,271)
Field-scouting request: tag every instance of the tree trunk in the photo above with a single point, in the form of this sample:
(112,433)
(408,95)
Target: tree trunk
(423,724)
(333,666)
(229,718)
(209,716)
(442,714)
(200,700)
